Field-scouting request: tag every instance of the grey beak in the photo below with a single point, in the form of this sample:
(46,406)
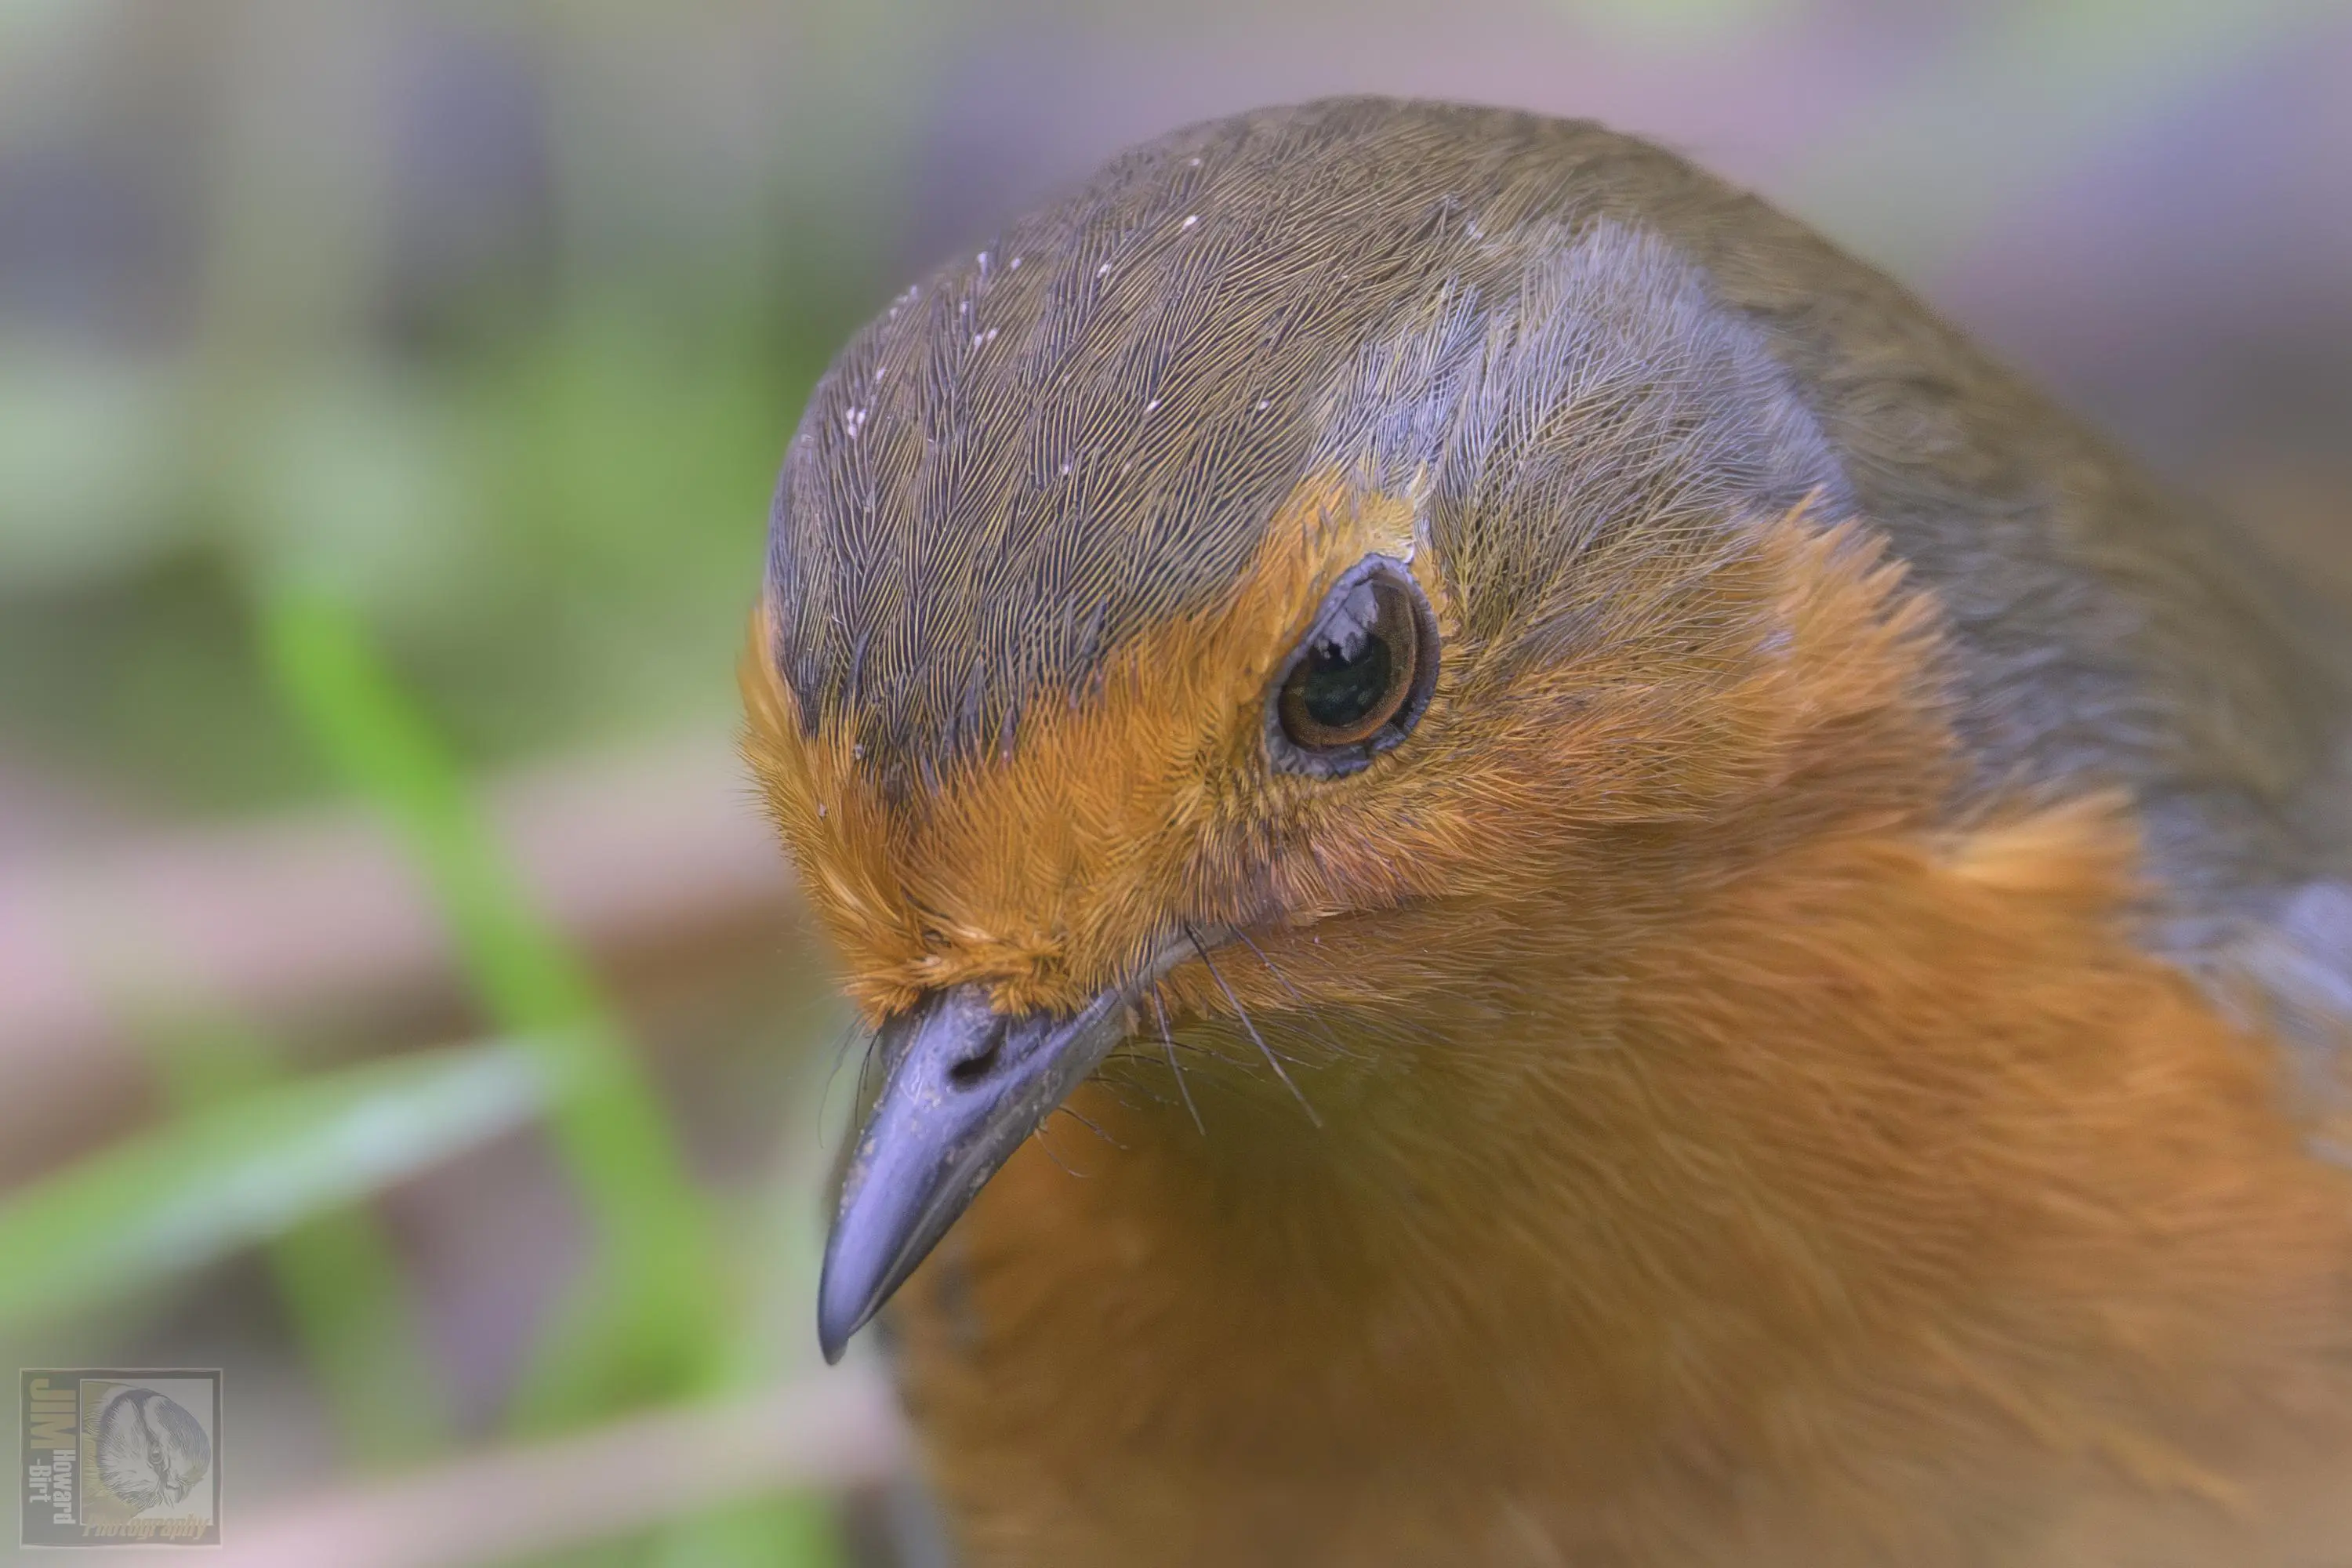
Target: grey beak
(963,1085)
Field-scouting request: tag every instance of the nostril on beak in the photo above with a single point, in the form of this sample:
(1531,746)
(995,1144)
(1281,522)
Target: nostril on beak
(970,1070)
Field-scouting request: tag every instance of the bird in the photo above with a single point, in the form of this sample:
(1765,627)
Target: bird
(1538,877)
(147,1449)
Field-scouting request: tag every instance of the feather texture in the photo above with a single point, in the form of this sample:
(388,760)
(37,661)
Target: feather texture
(1547,334)
(1814,1049)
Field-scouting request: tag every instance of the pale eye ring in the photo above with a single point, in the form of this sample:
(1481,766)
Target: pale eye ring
(1360,678)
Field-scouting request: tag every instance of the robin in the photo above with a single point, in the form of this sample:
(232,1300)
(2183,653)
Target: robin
(1676,924)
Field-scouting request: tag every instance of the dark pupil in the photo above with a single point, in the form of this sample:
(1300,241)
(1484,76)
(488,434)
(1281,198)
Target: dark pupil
(1343,684)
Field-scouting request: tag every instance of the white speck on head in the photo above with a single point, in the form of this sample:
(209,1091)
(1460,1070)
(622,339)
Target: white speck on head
(820,811)
(1103,271)
(978,339)
(1152,407)
(1194,163)
(1190,219)
(1263,404)
(1014,264)
(989,334)
(963,307)
(1065,469)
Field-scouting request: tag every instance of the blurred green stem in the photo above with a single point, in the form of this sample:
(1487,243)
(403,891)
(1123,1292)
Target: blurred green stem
(654,1323)
(648,1321)
(221,1177)
(337,1274)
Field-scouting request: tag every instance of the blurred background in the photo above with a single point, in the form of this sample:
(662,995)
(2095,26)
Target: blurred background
(401,1003)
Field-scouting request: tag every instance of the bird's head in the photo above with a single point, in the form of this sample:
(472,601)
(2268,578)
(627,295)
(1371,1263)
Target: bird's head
(1330,576)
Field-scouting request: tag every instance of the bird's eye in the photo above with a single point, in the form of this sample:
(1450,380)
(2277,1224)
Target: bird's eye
(1357,683)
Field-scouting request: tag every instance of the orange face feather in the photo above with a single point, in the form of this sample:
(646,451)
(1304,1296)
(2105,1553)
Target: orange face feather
(1045,870)
(1654,987)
